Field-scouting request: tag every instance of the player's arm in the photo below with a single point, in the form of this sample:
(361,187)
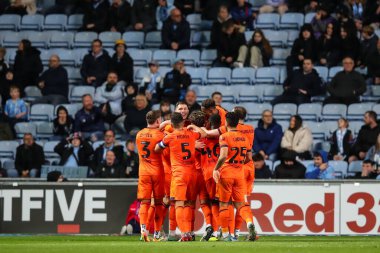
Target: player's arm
(211,133)
(198,130)
(221,160)
(160,146)
(248,157)
(164,124)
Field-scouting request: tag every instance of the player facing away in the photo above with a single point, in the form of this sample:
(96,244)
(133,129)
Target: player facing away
(151,174)
(209,108)
(181,143)
(235,151)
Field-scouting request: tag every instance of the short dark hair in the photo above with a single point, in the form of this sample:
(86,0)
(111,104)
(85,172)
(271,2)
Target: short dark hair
(197,118)
(181,103)
(14,87)
(368,161)
(176,119)
(208,104)
(152,116)
(372,114)
(228,24)
(215,121)
(86,95)
(232,119)
(28,134)
(165,102)
(97,40)
(216,93)
(130,141)
(257,157)
(241,112)
(109,130)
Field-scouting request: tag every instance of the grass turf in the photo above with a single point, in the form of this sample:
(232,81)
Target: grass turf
(115,244)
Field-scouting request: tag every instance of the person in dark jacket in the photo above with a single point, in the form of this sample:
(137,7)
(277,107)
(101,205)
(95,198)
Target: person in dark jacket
(217,26)
(110,167)
(268,135)
(301,85)
(122,62)
(289,168)
(132,160)
(120,16)
(175,32)
(128,102)
(144,15)
(63,124)
(242,13)
(320,21)
(349,44)
(368,46)
(95,17)
(366,138)
(186,6)
(191,101)
(341,141)
(54,83)
(347,86)
(374,65)
(4,83)
(328,47)
(135,116)
(96,64)
(262,171)
(74,151)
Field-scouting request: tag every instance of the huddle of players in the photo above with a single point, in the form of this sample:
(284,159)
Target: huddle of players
(207,154)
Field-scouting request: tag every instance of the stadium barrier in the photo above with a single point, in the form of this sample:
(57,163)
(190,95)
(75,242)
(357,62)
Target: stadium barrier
(280,207)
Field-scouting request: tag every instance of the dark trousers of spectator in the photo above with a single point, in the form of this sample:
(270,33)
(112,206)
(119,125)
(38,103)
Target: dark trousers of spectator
(284,98)
(336,100)
(51,99)
(135,225)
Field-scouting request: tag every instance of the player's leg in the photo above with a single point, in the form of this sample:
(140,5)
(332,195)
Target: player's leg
(144,195)
(225,192)
(180,184)
(169,189)
(205,203)
(158,195)
(192,194)
(231,218)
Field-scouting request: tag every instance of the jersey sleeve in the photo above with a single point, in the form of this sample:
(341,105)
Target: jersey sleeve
(222,130)
(166,141)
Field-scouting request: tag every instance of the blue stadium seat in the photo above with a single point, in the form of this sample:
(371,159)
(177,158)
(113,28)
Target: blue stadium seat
(355,126)
(11,55)
(271,91)
(311,111)
(78,91)
(134,39)
(153,39)
(31,93)
(12,39)
(45,56)
(230,93)
(110,51)
(72,108)
(243,76)
(333,71)
(228,106)
(55,22)
(268,21)
(323,72)
(25,127)
(198,75)
(10,22)
(219,75)
(284,111)
(9,165)
(207,57)
(279,56)
(331,126)
(203,92)
(45,130)
(376,108)
(67,56)
(276,38)
(32,22)
(309,17)
(291,20)
(191,56)
(80,53)
(84,39)
(355,166)
(275,164)
(334,111)
(8,149)
(61,39)
(319,145)
(254,110)
(340,168)
(109,38)
(140,74)
(249,93)
(141,57)
(357,111)
(200,39)
(74,75)
(74,22)
(194,20)
(283,74)
(41,112)
(267,75)
(292,36)
(318,129)
(39,39)
(164,57)
(49,150)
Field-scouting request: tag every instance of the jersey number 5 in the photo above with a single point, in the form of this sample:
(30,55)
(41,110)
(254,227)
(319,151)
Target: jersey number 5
(186,151)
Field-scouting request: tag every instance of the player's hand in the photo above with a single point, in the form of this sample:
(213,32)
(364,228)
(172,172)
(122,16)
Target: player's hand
(191,127)
(199,144)
(216,176)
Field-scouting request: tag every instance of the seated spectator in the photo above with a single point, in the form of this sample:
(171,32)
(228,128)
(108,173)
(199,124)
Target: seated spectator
(297,139)
(370,170)
(110,167)
(328,47)
(163,11)
(186,6)
(347,86)
(268,135)
(15,109)
(257,53)
(176,82)
(132,221)
(374,65)
(119,16)
(304,47)
(217,97)
(301,85)
(109,96)
(176,32)
(262,170)
(96,16)
(135,117)
(243,15)
(96,64)
(74,151)
(349,44)
(122,62)
(132,160)
(320,21)
(151,83)
(128,102)
(366,138)
(289,168)
(341,141)
(191,101)
(29,157)
(144,15)
(217,26)
(230,43)
(4,83)
(344,19)
(54,83)
(320,169)
(279,6)
(55,176)
(368,46)
(63,124)
(373,153)
(165,107)
(210,8)
(89,120)
(312,6)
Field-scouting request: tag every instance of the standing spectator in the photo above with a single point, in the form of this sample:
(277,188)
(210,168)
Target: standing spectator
(144,15)
(262,170)
(74,151)
(15,109)
(279,6)
(129,101)
(369,170)
(320,169)
(368,46)
(301,85)
(297,139)
(191,101)
(135,117)
(366,138)
(63,124)
(289,168)
(29,157)
(151,83)
(120,16)
(132,160)
(373,153)
(341,141)
(96,64)
(110,167)
(349,44)
(4,83)
(268,135)
(374,65)
(243,15)
(54,83)
(163,11)
(96,16)
(320,21)
(217,26)
(328,47)
(176,82)
(347,86)
(122,62)
(89,120)
(186,6)
(176,32)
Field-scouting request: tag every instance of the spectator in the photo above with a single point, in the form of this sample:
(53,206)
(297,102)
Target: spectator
(268,135)
(132,160)
(95,17)
(55,176)
(165,107)
(289,168)
(132,221)
(374,65)
(110,167)
(320,169)
(345,20)
(109,96)
(185,6)
(74,151)
(163,11)
(311,7)
(368,46)
(349,45)
(176,32)
(176,82)
(63,7)
(320,21)
(4,174)
(63,124)
(54,83)
(211,8)
(301,85)
(347,86)
(257,53)
(279,6)
(371,13)
(217,97)
(135,117)
(262,170)
(15,109)
(16,7)
(230,43)
(217,26)
(297,139)
(29,157)
(4,83)
(120,16)
(89,120)
(151,83)
(356,8)
(370,170)
(122,62)
(95,66)
(128,102)
(191,101)
(243,15)
(341,141)
(304,47)
(373,153)
(366,138)
(328,47)
(144,15)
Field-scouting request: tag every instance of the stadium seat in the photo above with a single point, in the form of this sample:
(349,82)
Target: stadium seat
(80,54)
(164,70)
(340,168)
(9,165)
(284,111)
(74,22)
(355,127)
(134,39)
(153,39)
(356,111)
(194,20)
(208,56)
(276,38)
(319,145)
(219,75)
(164,57)
(283,74)
(11,55)
(31,93)
(267,21)
(254,110)
(40,39)
(191,56)
(49,150)
(205,39)
(41,112)
(32,22)
(279,56)
(376,108)
(230,93)
(309,17)
(72,108)
(10,22)
(334,111)
(78,91)
(44,130)
(203,92)
(271,91)
(141,57)
(25,127)
(318,129)
(267,75)
(12,39)
(61,39)
(331,126)
(355,166)
(200,39)
(140,74)
(109,38)
(55,22)
(243,76)
(198,75)
(333,71)
(8,149)
(323,72)
(307,162)
(310,111)
(74,75)
(249,93)
(228,106)
(269,163)
(84,39)
(292,36)
(291,20)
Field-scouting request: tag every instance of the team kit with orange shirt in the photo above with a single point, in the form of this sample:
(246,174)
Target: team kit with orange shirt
(205,156)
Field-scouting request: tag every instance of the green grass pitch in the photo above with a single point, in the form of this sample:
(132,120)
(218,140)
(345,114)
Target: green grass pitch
(115,244)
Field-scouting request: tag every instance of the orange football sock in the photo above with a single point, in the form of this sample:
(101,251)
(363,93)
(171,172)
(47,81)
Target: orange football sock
(231,219)
(238,221)
(206,209)
(143,213)
(180,213)
(159,217)
(150,219)
(187,218)
(215,217)
(172,218)
(223,218)
(192,218)
(246,213)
